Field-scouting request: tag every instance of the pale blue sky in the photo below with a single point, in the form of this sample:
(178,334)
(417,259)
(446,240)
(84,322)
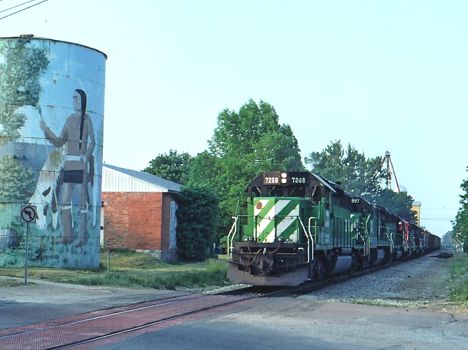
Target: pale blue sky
(381,75)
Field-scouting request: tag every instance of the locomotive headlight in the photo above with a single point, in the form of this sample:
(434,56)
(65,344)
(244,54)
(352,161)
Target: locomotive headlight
(284,178)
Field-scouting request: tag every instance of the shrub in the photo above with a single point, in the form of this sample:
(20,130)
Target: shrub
(196,223)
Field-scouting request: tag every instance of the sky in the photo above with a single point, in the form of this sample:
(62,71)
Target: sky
(380,75)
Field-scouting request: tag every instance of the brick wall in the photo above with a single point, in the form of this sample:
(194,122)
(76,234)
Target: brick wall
(136,220)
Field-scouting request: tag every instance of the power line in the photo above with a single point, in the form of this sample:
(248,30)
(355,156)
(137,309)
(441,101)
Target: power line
(10,8)
(23,9)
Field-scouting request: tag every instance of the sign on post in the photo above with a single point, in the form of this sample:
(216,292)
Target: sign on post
(28,215)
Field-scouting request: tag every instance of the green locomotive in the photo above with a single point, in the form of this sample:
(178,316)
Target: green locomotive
(298,226)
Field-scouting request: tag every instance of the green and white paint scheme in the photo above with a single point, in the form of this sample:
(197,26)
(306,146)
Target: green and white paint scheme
(276,218)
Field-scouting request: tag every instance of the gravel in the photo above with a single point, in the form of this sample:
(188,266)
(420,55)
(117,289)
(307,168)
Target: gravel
(417,283)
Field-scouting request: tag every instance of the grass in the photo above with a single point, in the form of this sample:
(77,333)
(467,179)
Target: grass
(459,278)
(10,282)
(131,269)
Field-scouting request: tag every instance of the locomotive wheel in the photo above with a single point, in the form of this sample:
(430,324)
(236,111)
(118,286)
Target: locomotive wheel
(356,265)
(318,271)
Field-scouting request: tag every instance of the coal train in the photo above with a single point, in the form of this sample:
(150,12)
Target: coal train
(299,226)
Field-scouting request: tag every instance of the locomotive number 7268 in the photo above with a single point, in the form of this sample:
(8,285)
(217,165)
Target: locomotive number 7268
(298,180)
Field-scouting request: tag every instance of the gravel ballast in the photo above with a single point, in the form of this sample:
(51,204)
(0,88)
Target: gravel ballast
(416,283)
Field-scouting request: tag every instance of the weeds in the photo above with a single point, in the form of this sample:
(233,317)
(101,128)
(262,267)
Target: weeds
(459,278)
(131,269)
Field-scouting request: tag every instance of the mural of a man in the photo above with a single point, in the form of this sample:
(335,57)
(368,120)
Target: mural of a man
(77,137)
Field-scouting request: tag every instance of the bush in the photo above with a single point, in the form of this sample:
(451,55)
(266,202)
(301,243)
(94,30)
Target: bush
(196,223)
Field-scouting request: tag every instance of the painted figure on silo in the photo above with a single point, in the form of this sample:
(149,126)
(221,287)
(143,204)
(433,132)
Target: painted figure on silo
(77,139)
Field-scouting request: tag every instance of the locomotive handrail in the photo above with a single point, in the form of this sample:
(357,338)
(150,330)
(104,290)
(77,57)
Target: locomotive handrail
(310,238)
(364,240)
(367,240)
(230,239)
(315,226)
(392,246)
(310,242)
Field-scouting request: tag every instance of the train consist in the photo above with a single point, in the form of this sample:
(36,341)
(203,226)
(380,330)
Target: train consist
(298,226)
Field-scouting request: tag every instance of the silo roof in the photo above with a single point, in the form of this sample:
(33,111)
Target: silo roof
(32,37)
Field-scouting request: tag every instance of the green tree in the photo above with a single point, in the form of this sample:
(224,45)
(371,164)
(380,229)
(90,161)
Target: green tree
(359,175)
(397,203)
(447,240)
(171,166)
(205,171)
(460,227)
(244,144)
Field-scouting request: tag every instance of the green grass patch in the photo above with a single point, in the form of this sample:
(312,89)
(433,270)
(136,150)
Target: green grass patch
(459,278)
(131,269)
(10,282)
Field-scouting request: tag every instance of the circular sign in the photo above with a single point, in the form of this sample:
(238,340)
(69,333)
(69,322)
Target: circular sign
(28,213)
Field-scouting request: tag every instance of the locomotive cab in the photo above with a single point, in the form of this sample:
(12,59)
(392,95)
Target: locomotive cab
(273,241)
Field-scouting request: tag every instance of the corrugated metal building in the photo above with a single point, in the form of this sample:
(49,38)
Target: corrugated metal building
(139,211)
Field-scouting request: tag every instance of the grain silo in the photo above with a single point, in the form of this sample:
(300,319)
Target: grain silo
(51,137)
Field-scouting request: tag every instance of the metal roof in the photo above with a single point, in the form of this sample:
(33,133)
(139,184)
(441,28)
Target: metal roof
(324,182)
(147,178)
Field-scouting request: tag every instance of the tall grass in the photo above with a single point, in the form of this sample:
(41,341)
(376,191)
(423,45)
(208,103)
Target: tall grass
(459,278)
(212,272)
(131,269)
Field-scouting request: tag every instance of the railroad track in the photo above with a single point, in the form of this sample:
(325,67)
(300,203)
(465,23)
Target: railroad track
(88,330)
(91,329)
(309,286)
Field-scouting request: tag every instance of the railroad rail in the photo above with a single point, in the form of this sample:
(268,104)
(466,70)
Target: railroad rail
(91,329)
(99,327)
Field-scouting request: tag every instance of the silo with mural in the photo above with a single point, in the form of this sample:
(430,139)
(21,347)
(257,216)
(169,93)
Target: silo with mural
(51,139)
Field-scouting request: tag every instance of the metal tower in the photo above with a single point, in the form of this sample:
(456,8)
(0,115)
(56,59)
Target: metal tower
(390,172)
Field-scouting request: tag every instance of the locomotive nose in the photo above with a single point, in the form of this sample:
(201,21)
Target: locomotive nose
(262,265)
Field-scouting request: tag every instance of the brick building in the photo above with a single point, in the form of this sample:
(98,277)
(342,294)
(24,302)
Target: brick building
(138,210)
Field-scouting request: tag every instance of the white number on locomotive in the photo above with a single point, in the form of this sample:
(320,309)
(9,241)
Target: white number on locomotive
(271,180)
(298,180)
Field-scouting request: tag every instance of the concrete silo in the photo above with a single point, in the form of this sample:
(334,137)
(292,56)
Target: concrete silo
(51,132)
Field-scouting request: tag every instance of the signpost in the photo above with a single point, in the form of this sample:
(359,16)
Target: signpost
(28,215)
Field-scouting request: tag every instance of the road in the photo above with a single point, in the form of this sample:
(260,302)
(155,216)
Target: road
(268,323)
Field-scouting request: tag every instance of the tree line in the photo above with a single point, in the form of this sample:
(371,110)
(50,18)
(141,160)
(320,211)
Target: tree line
(251,141)
(460,225)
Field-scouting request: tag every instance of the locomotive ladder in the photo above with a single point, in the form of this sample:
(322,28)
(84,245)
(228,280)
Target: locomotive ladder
(390,239)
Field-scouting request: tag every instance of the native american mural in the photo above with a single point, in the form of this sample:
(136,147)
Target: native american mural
(51,129)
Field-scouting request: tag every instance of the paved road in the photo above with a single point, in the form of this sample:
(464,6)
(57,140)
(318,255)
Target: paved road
(272,323)
(41,300)
(287,323)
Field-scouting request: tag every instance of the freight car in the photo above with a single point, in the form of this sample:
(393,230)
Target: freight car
(298,226)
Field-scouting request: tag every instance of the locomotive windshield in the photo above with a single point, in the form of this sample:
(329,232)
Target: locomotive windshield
(284,191)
